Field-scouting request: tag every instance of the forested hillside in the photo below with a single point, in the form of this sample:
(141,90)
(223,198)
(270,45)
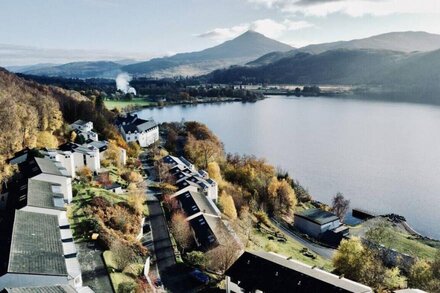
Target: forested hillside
(35,115)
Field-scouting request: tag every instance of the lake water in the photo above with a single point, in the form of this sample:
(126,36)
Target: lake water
(383,156)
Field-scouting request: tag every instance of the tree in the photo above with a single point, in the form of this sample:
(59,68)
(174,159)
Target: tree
(347,259)
(45,139)
(379,233)
(340,205)
(85,174)
(123,254)
(282,198)
(181,230)
(214,172)
(80,139)
(127,287)
(393,279)
(224,255)
(420,274)
(73,136)
(227,204)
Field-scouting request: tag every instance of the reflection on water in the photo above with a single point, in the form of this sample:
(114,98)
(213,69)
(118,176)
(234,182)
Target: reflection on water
(384,157)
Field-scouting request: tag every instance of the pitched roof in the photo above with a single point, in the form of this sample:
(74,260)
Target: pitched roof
(42,289)
(131,123)
(195,202)
(203,231)
(271,272)
(43,195)
(317,216)
(36,246)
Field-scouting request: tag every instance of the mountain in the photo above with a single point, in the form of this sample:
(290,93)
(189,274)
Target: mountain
(240,50)
(415,73)
(395,41)
(82,69)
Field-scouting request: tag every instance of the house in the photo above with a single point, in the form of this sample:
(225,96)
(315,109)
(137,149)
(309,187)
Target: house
(85,129)
(64,157)
(85,155)
(48,289)
(102,146)
(49,171)
(208,231)
(321,225)
(134,129)
(33,195)
(270,272)
(185,174)
(114,187)
(40,253)
(195,203)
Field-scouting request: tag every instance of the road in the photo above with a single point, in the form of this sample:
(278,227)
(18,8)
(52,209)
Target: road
(322,251)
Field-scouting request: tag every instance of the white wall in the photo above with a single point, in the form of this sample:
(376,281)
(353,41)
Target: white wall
(145,138)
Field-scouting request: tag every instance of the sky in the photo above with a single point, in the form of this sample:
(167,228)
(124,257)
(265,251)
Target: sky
(59,31)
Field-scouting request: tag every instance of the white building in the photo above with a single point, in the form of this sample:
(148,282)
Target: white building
(42,253)
(86,155)
(84,128)
(49,171)
(134,129)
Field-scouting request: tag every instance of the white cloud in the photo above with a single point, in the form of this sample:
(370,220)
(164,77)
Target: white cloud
(267,27)
(353,8)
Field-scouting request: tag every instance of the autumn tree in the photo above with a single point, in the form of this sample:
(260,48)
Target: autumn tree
(181,230)
(281,196)
(215,172)
(85,174)
(226,202)
(220,258)
(379,233)
(45,139)
(340,205)
(123,254)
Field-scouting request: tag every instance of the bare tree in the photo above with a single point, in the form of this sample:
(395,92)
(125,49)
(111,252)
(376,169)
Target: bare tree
(181,230)
(225,254)
(340,205)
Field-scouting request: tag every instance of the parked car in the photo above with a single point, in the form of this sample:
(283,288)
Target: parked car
(200,277)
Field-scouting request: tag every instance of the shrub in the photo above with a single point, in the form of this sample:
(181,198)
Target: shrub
(196,259)
(127,287)
(263,218)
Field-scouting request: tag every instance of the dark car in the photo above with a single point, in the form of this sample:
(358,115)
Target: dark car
(200,277)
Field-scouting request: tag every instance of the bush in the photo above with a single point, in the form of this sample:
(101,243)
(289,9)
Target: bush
(196,259)
(127,287)
(100,202)
(263,218)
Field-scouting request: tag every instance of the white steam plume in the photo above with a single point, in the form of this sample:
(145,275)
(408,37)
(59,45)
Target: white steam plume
(123,83)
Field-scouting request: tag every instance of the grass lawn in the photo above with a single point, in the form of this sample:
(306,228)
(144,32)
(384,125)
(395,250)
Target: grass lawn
(290,248)
(112,104)
(401,241)
(115,277)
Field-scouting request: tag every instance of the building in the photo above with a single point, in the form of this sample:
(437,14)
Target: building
(273,273)
(134,129)
(48,289)
(85,129)
(49,171)
(85,155)
(186,174)
(42,253)
(37,196)
(321,225)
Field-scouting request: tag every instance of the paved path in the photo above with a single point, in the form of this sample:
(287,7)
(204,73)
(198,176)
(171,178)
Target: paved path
(325,252)
(94,272)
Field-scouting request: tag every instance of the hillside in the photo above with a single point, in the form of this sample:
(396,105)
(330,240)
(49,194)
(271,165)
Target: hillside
(33,115)
(105,69)
(332,67)
(395,41)
(240,50)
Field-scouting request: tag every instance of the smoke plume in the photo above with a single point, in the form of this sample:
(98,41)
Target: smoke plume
(123,83)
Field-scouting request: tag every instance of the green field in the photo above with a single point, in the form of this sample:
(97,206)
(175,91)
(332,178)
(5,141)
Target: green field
(112,104)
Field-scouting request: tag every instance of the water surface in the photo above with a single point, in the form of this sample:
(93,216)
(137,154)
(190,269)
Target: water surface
(383,156)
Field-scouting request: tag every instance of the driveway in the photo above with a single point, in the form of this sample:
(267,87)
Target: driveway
(94,272)
(322,251)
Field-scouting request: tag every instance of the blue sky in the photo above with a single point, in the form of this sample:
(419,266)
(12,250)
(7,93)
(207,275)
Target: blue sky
(66,30)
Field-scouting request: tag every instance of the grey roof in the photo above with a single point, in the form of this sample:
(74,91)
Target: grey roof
(36,246)
(43,289)
(40,194)
(137,124)
(195,202)
(317,216)
(49,167)
(267,271)
(79,122)
(101,145)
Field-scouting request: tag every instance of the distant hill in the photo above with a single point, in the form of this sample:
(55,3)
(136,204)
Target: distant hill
(84,69)
(240,50)
(394,71)
(395,41)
